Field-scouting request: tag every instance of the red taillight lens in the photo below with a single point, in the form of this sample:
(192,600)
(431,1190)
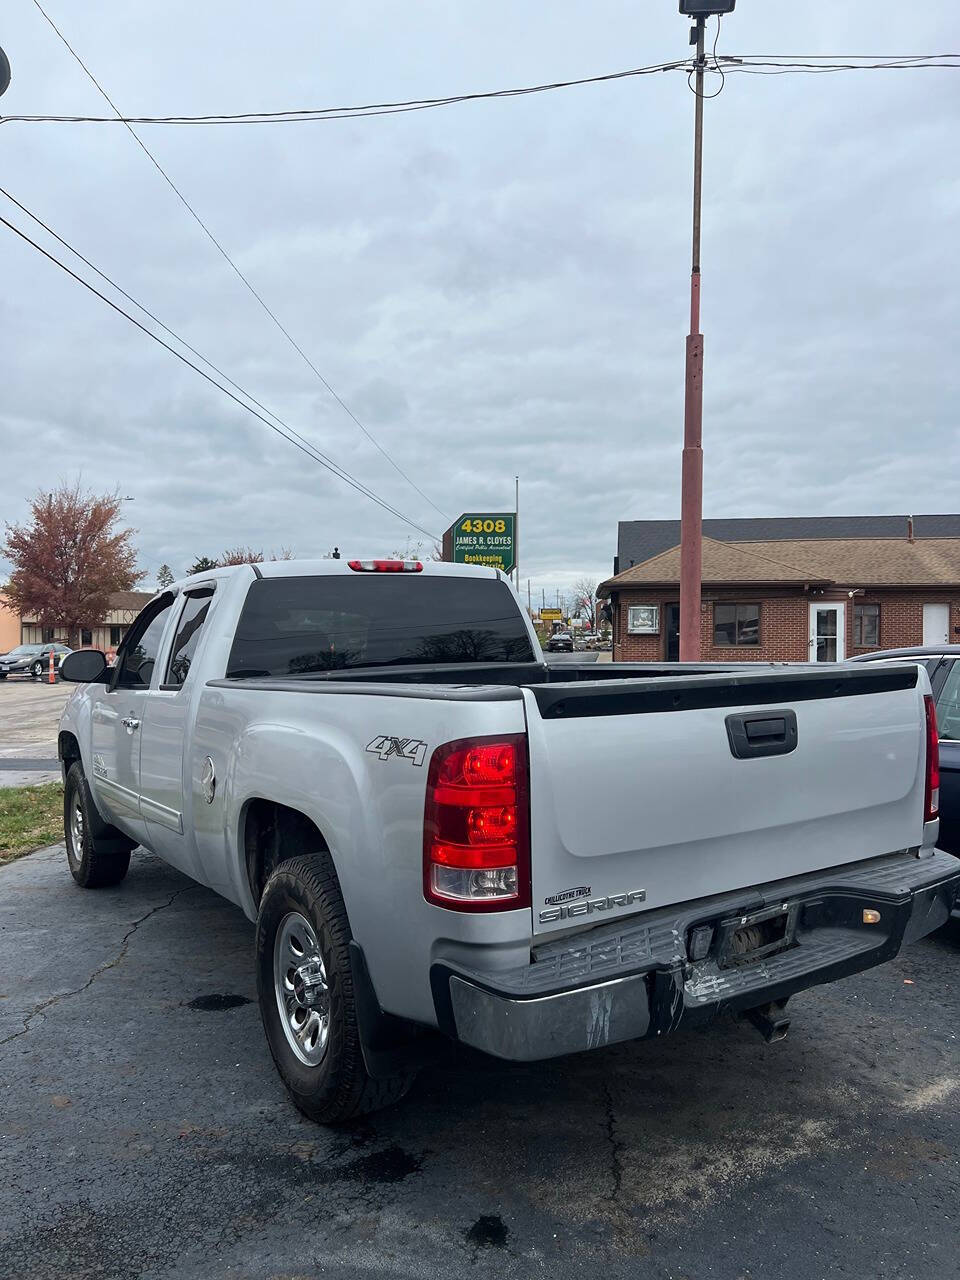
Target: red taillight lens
(385,566)
(476,826)
(931,806)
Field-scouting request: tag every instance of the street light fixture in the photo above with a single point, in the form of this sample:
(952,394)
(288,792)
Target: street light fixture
(705,8)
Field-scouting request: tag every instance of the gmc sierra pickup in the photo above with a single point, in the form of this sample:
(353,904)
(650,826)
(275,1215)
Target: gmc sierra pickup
(440,836)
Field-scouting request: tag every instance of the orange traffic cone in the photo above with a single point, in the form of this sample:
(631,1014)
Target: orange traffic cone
(53,674)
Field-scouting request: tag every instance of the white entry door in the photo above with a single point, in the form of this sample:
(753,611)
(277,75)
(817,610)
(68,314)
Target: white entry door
(936,624)
(827,632)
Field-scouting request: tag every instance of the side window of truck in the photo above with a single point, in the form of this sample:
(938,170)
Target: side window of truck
(196,607)
(948,705)
(141,646)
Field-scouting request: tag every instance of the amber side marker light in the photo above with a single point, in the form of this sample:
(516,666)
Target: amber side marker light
(870,916)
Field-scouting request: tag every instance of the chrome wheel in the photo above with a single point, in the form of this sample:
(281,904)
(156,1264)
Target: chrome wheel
(76,830)
(300,986)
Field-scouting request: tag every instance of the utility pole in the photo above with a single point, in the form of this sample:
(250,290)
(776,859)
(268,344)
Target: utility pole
(516,530)
(691,481)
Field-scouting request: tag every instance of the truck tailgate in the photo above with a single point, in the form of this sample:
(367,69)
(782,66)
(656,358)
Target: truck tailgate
(683,787)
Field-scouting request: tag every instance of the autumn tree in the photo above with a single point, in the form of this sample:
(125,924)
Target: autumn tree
(240,555)
(164,576)
(247,555)
(69,558)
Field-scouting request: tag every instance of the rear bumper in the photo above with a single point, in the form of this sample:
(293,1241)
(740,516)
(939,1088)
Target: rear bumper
(633,979)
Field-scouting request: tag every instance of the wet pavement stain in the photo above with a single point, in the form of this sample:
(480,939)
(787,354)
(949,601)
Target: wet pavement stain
(489,1231)
(393,1164)
(217,1002)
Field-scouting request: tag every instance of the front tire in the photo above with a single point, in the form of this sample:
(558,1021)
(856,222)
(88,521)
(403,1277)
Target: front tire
(37,670)
(95,862)
(306,994)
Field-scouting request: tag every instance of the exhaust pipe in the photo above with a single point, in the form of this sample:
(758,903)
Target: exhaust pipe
(771,1020)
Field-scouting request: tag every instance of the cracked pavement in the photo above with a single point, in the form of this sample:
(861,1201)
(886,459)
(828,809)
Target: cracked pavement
(144,1132)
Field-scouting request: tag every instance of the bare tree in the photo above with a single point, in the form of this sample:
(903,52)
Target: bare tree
(411,551)
(585,600)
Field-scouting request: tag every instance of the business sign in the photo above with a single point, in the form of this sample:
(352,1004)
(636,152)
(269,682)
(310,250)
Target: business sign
(487,538)
(551,615)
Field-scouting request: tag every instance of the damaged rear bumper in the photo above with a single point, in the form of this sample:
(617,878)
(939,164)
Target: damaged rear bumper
(635,979)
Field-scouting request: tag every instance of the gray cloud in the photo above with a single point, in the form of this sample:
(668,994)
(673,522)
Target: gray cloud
(494,288)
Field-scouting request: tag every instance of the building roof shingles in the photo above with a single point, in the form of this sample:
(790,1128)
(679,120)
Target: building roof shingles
(850,562)
(639,540)
(131,599)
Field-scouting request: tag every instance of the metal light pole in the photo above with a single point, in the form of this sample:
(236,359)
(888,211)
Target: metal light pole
(691,479)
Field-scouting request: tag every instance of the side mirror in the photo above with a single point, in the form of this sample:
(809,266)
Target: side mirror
(85,666)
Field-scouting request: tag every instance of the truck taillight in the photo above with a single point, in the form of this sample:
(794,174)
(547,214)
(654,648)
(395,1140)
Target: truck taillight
(476,825)
(931,805)
(385,566)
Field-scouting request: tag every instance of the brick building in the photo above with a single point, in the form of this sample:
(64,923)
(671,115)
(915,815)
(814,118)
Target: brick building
(795,599)
(105,634)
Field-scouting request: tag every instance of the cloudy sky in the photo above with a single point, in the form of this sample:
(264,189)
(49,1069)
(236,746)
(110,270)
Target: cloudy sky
(494,288)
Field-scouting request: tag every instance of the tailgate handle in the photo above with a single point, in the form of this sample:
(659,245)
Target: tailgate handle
(772,733)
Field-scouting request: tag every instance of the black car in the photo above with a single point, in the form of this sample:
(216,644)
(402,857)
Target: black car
(560,642)
(943,667)
(32,659)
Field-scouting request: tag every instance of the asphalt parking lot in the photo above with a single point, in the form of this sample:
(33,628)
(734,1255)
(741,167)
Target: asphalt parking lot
(29,714)
(145,1133)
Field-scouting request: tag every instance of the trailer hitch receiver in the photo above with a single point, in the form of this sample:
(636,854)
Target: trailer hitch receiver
(771,1020)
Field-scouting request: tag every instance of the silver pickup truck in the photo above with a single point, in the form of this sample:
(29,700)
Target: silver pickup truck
(442,837)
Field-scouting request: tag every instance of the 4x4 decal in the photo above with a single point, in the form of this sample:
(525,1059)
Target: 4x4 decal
(410,749)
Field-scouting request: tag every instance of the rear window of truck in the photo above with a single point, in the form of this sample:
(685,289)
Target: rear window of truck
(295,626)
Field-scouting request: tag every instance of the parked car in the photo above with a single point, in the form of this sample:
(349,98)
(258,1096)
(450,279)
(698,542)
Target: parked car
(560,642)
(441,835)
(942,664)
(32,659)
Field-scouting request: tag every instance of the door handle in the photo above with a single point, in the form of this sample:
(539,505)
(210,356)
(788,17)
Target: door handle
(130,723)
(762,733)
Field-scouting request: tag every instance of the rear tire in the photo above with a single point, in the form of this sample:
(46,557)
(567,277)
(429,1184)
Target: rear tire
(95,862)
(316,1048)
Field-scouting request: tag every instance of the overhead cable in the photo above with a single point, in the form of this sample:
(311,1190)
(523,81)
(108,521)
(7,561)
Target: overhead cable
(765,64)
(121,119)
(294,438)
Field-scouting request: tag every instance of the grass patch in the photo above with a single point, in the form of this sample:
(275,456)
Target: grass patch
(30,817)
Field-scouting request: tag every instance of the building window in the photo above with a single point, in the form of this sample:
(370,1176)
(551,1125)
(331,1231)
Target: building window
(86,637)
(866,626)
(736,624)
(46,635)
(115,637)
(643,620)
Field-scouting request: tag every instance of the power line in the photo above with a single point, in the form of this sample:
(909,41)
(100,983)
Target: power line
(227,258)
(341,471)
(772,67)
(757,63)
(293,115)
(304,447)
